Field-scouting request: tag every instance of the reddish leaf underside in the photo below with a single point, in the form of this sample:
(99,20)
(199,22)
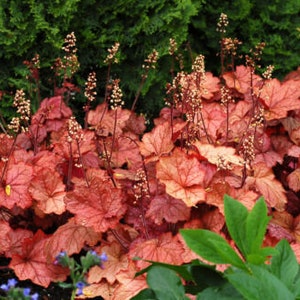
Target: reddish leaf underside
(164,207)
(32,263)
(15,189)
(183,177)
(48,190)
(99,206)
(264,181)
(71,237)
(279,98)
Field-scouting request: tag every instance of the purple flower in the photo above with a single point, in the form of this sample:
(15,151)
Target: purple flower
(34,296)
(103,257)
(80,285)
(12,282)
(4,287)
(60,259)
(26,292)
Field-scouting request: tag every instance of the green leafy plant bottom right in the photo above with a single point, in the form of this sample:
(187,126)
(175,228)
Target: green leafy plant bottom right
(253,272)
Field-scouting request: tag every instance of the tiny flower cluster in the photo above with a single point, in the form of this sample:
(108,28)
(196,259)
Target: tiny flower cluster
(70,63)
(90,87)
(140,187)
(112,52)
(116,95)
(173,46)
(150,61)
(74,130)
(17,293)
(223,23)
(23,108)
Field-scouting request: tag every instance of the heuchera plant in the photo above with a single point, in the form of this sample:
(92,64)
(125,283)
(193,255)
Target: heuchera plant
(108,186)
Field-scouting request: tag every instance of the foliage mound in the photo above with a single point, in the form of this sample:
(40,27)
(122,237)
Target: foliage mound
(109,186)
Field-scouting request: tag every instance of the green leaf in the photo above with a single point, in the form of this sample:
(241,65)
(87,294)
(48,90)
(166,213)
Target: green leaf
(256,226)
(259,284)
(225,292)
(211,247)
(165,284)
(146,294)
(183,271)
(205,276)
(236,215)
(284,265)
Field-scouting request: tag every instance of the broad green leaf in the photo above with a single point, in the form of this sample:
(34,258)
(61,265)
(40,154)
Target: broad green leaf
(259,284)
(205,277)
(256,226)
(284,265)
(184,270)
(225,292)
(236,215)
(146,294)
(165,284)
(211,247)
(259,257)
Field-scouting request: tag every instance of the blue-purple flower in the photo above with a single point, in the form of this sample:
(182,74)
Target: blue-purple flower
(80,285)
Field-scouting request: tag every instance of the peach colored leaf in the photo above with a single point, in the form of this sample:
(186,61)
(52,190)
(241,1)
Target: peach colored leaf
(157,142)
(164,248)
(48,190)
(279,98)
(264,181)
(32,263)
(183,176)
(129,284)
(100,205)
(164,207)
(4,231)
(15,190)
(117,261)
(241,79)
(219,155)
(293,180)
(71,237)
(296,249)
(16,238)
(102,290)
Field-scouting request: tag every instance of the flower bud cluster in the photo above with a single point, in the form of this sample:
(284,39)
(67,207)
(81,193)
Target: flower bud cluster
(116,95)
(248,150)
(90,87)
(230,45)
(140,186)
(173,46)
(223,163)
(150,62)
(111,57)
(70,63)
(267,74)
(74,130)
(223,23)
(226,98)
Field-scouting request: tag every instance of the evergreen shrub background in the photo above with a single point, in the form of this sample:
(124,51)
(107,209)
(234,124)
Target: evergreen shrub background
(40,26)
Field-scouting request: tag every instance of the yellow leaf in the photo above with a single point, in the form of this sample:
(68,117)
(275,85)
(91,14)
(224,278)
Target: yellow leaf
(7,190)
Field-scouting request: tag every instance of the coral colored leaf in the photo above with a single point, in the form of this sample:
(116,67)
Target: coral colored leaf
(32,263)
(164,207)
(15,239)
(48,190)
(165,248)
(241,79)
(279,98)
(4,241)
(71,238)
(157,142)
(15,190)
(219,155)
(129,284)
(293,180)
(117,261)
(183,177)
(6,143)
(99,206)
(264,181)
